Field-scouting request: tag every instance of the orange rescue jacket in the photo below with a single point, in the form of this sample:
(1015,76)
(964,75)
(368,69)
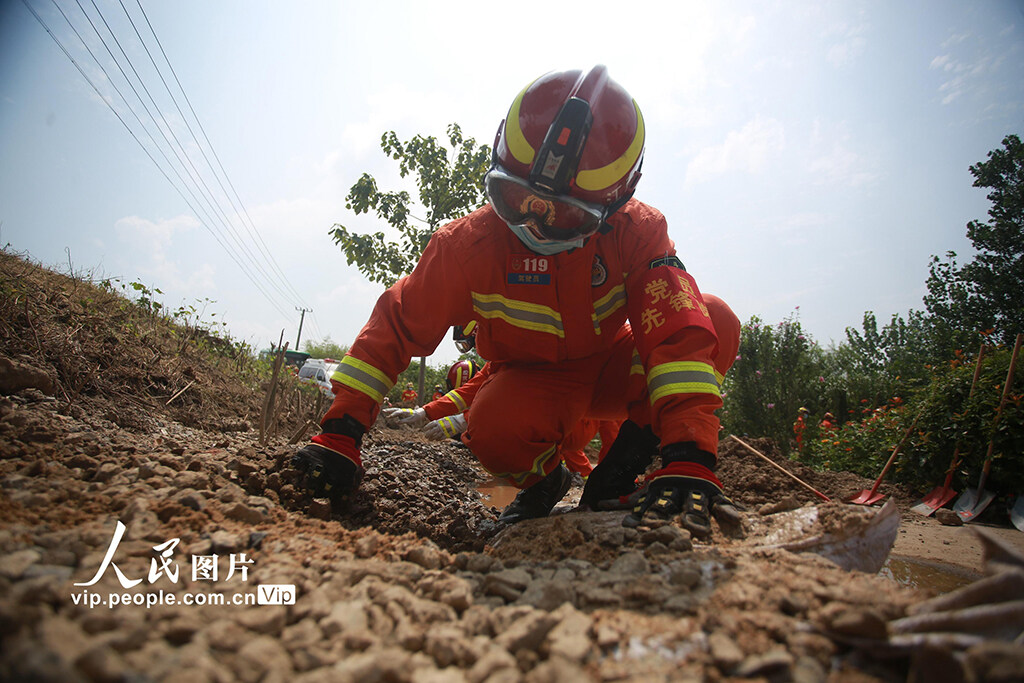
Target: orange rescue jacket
(546,309)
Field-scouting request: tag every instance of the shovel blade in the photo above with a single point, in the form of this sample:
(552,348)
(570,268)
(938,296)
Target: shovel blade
(1017,513)
(967,500)
(938,497)
(978,504)
(866,497)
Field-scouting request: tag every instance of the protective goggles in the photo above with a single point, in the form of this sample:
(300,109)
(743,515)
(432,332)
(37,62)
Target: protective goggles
(465,337)
(558,218)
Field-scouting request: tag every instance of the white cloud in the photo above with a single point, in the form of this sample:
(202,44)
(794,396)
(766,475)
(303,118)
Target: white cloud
(154,237)
(833,157)
(746,150)
(849,46)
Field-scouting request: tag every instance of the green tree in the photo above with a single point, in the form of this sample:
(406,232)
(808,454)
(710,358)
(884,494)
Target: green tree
(450,184)
(325,348)
(878,364)
(776,373)
(988,292)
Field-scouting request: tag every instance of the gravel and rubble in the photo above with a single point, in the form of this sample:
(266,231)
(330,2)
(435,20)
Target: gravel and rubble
(415,582)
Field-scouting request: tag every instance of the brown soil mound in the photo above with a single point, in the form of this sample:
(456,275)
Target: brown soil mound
(110,417)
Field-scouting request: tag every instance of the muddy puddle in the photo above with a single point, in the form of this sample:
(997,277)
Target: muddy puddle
(497,493)
(925,576)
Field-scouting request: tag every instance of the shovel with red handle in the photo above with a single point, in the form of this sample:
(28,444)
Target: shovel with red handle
(940,495)
(872,496)
(974,501)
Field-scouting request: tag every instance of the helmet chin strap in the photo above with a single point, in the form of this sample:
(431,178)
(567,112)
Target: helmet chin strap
(547,247)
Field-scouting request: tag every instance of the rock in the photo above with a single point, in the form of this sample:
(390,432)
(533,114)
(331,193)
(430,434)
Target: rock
(860,623)
(507,583)
(490,663)
(225,542)
(300,635)
(263,659)
(557,670)
(598,596)
(684,575)
(528,632)
(199,481)
(256,539)
(724,651)
(453,591)
(366,546)
(809,670)
(425,556)
(321,509)
(783,505)
(345,617)
(666,535)
(101,663)
(570,637)
(191,499)
(16,376)
(64,637)
(226,634)
(180,630)
(386,664)
(548,595)
(60,572)
(243,513)
(265,619)
(14,565)
(948,517)
(449,646)
(481,564)
(770,664)
(630,564)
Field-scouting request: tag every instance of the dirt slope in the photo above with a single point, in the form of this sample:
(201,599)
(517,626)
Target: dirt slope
(416,582)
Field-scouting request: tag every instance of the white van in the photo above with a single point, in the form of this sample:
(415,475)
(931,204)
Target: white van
(317,371)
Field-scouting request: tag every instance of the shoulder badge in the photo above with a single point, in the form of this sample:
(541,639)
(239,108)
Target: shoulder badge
(598,272)
(668,261)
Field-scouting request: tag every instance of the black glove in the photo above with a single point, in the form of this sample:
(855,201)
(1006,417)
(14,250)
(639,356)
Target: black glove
(331,464)
(614,478)
(685,486)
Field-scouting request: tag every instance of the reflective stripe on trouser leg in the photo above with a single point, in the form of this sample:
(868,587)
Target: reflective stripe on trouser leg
(523,412)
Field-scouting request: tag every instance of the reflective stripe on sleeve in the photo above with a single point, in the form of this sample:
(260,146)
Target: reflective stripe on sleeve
(683,377)
(519,313)
(363,377)
(636,366)
(457,399)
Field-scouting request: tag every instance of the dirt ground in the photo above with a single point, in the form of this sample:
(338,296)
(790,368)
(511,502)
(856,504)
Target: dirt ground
(415,581)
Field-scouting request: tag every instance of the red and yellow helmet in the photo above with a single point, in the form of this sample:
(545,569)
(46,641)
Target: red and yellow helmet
(460,373)
(574,133)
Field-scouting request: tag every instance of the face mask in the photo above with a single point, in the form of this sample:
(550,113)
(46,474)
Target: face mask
(546,247)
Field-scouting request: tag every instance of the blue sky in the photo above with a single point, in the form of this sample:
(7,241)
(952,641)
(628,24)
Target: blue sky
(810,157)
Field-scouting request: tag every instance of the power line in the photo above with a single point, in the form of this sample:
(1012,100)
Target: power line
(183,157)
(199,123)
(207,223)
(209,198)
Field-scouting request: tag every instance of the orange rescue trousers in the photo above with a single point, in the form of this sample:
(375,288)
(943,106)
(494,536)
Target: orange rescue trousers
(524,414)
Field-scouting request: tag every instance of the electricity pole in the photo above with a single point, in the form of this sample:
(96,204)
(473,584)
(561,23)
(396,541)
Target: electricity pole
(301,319)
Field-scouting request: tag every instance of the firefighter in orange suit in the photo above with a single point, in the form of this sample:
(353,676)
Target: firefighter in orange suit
(799,427)
(446,416)
(551,269)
